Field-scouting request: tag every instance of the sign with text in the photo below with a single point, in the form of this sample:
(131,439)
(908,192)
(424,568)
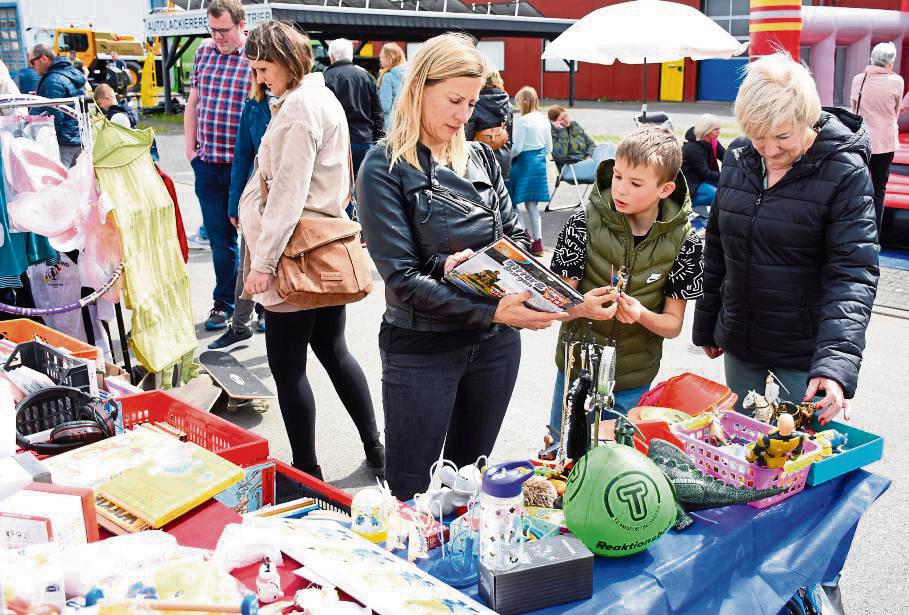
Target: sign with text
(196,22)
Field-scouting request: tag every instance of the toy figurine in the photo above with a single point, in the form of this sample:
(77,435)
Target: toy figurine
(268,583)
(802,414)
(759,406)
(774,449)
(695,490)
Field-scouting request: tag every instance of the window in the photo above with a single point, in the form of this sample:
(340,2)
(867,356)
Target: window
(494,52)
(72,41)
(10,44)
(555,66)
(731,15)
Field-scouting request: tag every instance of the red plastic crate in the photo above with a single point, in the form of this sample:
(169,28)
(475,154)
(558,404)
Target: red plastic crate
(302,484)
(24,330)
(231,442)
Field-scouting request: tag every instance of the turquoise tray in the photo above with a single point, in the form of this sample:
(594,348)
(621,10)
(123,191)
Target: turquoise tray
(862,448)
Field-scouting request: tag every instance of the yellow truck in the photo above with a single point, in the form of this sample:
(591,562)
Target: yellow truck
(94,50)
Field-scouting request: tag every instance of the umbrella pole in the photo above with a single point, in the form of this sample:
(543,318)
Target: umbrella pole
(644,100)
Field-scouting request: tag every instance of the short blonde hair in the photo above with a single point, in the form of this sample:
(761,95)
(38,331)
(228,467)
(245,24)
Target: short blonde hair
(653,147)
(494,79)
(776,90)
(705,124)
(102,90)
(282,43)
(527,100)
(443,57)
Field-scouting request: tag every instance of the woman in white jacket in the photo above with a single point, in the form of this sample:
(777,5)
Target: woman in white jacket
(528,183)
(304,159)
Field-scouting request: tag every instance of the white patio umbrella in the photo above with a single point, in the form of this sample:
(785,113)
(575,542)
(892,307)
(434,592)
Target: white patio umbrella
(643,31)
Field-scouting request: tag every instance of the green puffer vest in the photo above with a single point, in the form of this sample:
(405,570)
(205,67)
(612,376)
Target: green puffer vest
(610,244)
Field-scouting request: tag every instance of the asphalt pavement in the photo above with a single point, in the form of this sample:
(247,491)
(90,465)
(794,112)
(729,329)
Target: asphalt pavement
(875,578)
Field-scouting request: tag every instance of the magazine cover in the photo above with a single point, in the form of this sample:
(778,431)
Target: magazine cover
(504,268)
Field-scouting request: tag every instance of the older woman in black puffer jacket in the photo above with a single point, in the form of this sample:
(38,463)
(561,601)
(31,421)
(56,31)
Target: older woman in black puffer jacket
(791,253)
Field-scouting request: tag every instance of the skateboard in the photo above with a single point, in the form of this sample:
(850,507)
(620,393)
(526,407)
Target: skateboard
(243,389)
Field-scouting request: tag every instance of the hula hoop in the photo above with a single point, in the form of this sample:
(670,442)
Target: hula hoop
(78,305)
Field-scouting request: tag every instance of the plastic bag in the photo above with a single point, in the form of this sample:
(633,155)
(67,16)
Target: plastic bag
(244,544)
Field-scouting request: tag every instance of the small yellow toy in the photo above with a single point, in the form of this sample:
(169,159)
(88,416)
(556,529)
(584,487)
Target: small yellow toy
(774,449)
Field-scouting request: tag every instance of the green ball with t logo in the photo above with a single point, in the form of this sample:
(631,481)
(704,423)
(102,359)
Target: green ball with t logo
(618,502)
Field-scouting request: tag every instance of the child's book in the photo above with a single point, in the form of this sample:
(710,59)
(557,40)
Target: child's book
(505,268)
(161,489)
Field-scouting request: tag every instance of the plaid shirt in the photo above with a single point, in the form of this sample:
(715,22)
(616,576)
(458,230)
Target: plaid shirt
(223,85)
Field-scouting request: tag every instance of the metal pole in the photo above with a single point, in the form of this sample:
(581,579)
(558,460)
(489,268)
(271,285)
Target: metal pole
(165,59)
(571,73)
(644,102)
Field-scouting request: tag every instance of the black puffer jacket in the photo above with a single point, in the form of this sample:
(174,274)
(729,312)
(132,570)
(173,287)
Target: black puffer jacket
(698,162)
(791,271)
(410,233)
(493,109)
(355,88)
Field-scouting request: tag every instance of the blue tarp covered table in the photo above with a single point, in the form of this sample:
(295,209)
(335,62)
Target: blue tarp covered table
(736,559)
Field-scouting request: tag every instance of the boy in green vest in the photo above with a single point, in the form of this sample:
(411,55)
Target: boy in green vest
(636,217)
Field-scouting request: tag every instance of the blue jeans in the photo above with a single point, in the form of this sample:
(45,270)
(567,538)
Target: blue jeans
(357,154)
(742,377)
(212,188)
(456,399)
(625,400)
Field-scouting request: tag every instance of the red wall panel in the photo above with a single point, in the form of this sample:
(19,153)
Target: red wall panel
(592,81)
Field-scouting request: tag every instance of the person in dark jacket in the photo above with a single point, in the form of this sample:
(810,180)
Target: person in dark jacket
(253,123)
(701,157)
(59,79)
(429,198)
(493,111)
(791,253)
(357,92)
(28,80)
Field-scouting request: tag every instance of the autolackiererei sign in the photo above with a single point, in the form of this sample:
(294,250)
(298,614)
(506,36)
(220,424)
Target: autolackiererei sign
(196,22)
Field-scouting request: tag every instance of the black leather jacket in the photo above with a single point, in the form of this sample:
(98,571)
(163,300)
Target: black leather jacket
(411,229)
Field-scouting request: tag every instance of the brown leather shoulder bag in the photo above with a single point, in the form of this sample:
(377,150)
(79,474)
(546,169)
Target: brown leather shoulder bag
(324,263)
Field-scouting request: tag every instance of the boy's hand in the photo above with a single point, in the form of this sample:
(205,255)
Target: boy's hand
(629,309)
(593,305)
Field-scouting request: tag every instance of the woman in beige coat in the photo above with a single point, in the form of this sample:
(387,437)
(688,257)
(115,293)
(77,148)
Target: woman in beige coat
(304,160)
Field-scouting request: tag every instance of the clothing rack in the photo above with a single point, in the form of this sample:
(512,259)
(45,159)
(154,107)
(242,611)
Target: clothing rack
(77,107)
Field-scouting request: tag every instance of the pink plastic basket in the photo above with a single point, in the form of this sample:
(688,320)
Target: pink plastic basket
(743,430)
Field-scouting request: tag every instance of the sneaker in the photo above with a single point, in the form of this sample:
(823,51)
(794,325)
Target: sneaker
(217,318)
(230,340)
(260,323)
(537,247)
(197,242)
(375,459)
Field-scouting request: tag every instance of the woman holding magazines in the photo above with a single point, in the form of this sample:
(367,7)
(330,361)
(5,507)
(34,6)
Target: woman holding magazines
(429,198)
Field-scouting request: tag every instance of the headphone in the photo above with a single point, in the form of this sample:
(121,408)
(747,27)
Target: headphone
(91,421)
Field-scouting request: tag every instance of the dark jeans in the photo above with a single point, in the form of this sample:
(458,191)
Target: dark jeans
(457,399)
(880,172)
(287,335)
(358,153)
(212,188)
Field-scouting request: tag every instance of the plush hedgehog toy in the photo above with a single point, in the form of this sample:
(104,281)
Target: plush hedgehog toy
(539,492)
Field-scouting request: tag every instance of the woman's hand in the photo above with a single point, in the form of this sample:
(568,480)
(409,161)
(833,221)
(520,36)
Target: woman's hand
(511,311)
(257,282)
(593,305)
(834,398)
(712,351)
(629,309)
(456,259)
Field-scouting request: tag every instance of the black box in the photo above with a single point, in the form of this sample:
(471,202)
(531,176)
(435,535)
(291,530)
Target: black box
(554,570)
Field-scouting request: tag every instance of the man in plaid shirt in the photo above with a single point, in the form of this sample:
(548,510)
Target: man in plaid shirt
(218,90)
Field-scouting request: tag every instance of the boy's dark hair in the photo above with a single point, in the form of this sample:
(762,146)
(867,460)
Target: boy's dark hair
(653,147)
(234,8)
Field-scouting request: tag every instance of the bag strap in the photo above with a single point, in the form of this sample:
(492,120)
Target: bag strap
(858,102)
